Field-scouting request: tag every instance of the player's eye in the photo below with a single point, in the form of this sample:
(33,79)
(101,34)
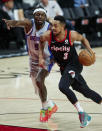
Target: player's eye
(37,14)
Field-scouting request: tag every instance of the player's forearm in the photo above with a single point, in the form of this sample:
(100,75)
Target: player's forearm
(86,43)
(15,23)
(41,50)
(21,23)
(41,46)
(45,37)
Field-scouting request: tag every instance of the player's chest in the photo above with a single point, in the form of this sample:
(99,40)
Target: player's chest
(59,47)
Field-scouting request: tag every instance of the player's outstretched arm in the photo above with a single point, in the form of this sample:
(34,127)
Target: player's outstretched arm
(26,23)
(43,38)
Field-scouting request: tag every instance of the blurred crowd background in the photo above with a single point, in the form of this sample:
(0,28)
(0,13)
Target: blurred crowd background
(84,16)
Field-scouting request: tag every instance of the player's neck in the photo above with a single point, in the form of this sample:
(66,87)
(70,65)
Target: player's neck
(38,27)
(61,35)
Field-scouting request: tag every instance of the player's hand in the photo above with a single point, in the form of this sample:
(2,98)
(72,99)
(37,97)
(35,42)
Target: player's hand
(42,63)
(92,55)
(8,23)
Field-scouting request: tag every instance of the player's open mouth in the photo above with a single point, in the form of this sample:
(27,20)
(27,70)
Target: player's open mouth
(39,20)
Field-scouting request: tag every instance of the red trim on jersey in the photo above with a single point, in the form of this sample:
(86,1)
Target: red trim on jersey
(70,39)
(64,37)
(50,39)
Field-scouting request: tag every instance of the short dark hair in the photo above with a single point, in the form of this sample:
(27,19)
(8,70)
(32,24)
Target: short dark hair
(60,18)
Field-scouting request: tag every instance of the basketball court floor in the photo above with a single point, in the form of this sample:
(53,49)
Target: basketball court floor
(19,106)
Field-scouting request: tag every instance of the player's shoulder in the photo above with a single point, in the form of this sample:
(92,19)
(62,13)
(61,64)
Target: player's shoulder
(47,33)
(32,20)
(45,36)
(73,33)
(46,23)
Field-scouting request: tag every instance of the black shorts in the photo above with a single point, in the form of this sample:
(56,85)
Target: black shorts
(76,82)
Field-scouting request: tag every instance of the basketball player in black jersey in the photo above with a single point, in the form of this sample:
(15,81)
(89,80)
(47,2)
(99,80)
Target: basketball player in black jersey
(61,45)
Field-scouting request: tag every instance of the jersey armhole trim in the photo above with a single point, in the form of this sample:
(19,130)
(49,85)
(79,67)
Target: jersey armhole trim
(70,39)
(29,32)
(48,27)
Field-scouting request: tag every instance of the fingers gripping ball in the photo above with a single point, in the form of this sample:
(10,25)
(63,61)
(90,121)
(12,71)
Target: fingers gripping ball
(86,58)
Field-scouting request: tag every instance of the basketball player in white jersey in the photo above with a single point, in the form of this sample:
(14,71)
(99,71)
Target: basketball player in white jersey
(34,29)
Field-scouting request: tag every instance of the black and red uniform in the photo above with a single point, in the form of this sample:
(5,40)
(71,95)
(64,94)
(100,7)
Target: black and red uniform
(66,57)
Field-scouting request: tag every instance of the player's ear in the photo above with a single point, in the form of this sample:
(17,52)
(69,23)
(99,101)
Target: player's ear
(46,18)
(64,26)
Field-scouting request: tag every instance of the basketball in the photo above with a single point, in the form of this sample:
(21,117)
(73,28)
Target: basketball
(86,58)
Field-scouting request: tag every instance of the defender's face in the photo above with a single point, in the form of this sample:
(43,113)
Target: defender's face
(56,27)
(40,17)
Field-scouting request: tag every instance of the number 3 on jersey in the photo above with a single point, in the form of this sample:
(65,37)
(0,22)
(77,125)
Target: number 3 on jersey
(65,56)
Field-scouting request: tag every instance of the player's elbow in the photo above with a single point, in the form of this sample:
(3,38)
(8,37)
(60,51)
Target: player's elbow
(83,39)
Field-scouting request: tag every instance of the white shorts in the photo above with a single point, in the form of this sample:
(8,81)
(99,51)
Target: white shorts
(35,70)
(34,66)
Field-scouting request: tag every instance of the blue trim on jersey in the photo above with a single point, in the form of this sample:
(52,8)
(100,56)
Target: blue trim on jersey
(29,33)
(48,27)
(32,20)
(48,46)
(51,57)
(50,67)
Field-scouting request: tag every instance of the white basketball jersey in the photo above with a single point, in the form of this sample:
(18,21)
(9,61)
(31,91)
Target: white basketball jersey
(33,38)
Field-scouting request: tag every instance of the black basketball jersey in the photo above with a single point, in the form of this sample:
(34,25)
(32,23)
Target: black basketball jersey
(63,51)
